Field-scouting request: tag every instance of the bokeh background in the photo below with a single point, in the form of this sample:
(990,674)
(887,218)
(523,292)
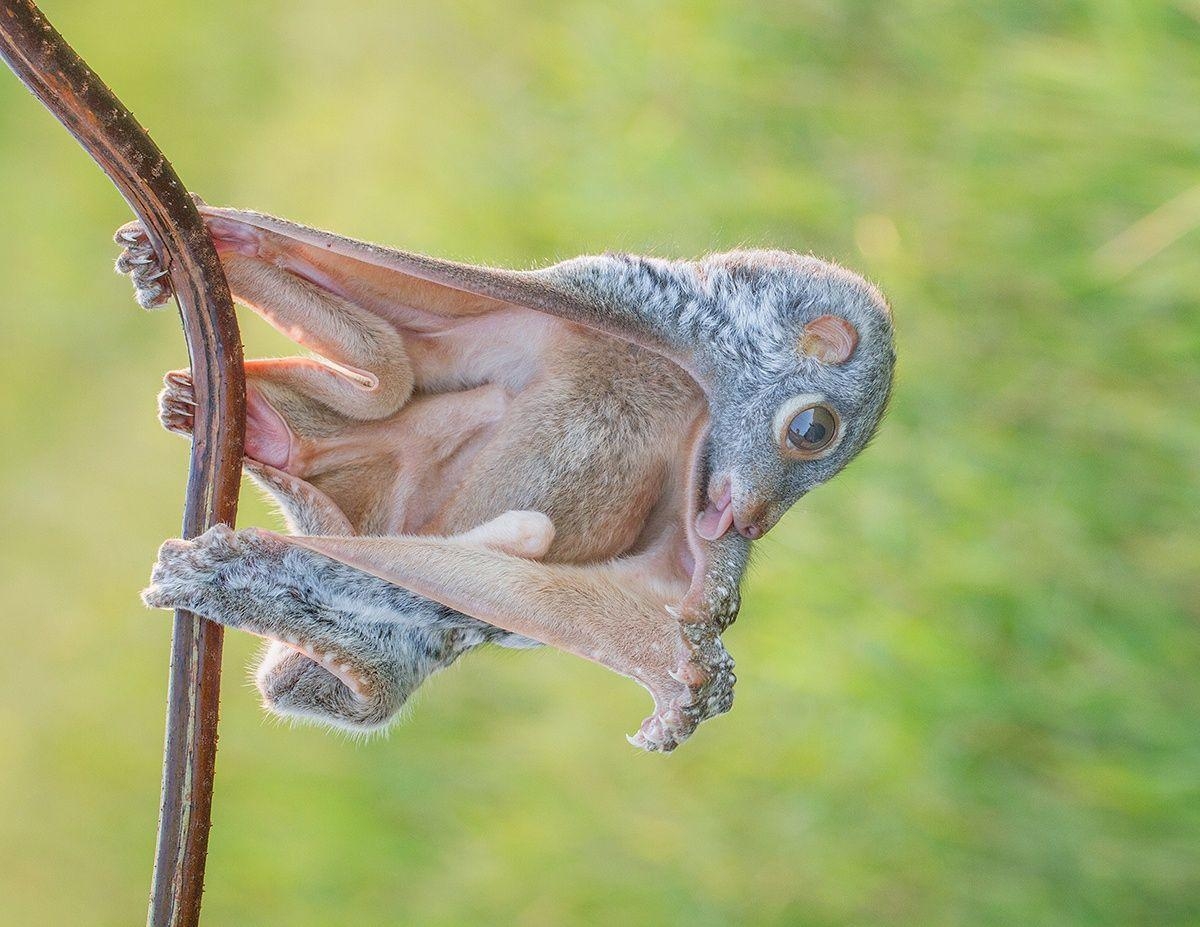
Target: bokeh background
(967,668)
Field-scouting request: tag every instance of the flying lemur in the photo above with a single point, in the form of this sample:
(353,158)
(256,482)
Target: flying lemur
(578,455)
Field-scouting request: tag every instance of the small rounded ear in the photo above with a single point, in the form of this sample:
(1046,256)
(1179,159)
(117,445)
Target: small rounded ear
(830,339)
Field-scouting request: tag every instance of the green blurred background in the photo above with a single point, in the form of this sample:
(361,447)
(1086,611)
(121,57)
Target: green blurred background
(967,669)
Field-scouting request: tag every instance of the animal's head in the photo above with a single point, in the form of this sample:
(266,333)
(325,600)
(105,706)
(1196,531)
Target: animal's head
(797,357)
(795,353)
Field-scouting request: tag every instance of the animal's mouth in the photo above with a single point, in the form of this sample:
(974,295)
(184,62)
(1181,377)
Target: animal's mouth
(717,515)
(712,511)
(721,512)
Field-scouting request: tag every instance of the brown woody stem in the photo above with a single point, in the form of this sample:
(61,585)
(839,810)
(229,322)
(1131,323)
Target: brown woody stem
(109,133)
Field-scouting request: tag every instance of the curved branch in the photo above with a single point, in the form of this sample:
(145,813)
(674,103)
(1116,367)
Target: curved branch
(109,133)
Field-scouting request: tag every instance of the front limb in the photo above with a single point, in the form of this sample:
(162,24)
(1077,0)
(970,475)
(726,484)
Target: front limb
(614,614)
(622,614)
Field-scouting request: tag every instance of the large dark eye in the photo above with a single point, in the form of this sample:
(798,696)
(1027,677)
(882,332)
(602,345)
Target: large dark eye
(812,430)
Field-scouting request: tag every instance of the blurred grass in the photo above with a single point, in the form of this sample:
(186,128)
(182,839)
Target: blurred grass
(968,668)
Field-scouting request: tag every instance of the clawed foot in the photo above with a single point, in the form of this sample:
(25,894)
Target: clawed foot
(177,402)
(189,574)
(698,687)
(268,438)
(151,282)
(186,570)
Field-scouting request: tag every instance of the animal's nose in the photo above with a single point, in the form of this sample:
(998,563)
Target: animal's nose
(751,522)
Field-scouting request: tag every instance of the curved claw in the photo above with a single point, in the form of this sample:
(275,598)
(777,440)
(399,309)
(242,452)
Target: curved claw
(151,283)
(177,402)
(703,688)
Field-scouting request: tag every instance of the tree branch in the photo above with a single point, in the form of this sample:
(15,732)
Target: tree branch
(109,133)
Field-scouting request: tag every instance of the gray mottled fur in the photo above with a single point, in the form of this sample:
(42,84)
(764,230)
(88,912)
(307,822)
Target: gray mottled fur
(391,639)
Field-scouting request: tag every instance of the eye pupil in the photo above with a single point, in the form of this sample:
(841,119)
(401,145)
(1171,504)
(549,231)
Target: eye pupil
(812,429)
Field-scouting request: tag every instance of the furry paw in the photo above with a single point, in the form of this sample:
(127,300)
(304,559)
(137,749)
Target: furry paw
(187,572)
(177,402)
(151,282)
(295,686)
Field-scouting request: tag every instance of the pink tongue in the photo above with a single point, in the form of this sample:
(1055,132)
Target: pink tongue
(715,520)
